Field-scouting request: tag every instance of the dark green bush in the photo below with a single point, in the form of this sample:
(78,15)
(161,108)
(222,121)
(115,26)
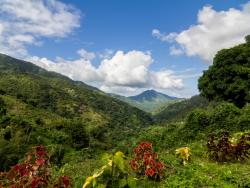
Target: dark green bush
(78,133)
(225,116)
(198,120)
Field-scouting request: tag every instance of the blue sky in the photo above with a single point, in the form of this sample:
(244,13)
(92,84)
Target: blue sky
(124,46)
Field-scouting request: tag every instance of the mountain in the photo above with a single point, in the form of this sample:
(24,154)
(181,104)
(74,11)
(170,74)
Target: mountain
(151,95)
(38,107)
(179,110)
(149,100)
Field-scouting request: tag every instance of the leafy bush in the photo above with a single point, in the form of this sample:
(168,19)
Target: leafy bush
(34,172)
(113,174)
(146,162)
(79,135)
(224,149)
(183,154)
(224,116)
(197,120)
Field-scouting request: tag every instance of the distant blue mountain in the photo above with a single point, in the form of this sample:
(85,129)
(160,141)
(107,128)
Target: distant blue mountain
(149,100)
(152,95)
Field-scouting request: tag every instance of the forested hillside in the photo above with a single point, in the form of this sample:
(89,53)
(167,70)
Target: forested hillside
(41,107)
(179,110)
(93,140)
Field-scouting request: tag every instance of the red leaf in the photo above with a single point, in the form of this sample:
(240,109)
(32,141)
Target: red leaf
(40,162)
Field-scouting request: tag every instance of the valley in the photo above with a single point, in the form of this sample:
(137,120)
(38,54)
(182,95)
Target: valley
(81,127)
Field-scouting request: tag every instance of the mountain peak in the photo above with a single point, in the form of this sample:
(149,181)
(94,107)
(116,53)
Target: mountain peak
(151,95)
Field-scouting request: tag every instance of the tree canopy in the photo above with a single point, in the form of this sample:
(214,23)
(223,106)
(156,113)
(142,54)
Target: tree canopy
(228,79)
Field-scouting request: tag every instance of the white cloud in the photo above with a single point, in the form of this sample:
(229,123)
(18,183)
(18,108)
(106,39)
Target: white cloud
(162,36)
(1,28)
(124,73)
(215,30)
(125,91)
(86,55)
(130,69)
(79,69)
(26,21)
(175,51)
(106,54)
(166,79)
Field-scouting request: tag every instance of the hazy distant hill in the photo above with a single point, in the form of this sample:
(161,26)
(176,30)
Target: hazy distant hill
(149,100)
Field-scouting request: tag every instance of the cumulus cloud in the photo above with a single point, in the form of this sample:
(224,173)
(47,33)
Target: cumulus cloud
(126,69)
(25,22)
(175,51)
(86,55)
(164,37)
(106,54)
(214,30)
(166,79)
(123,73)
(80,69)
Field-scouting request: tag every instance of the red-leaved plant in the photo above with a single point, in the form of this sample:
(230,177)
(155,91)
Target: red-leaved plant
(34,172)
(146,162)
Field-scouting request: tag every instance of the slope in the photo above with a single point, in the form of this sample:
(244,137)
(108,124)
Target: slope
(179,110)
(42,107)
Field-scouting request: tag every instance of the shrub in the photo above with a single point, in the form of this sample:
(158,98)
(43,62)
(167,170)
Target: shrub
(224,116)
(146,162)
(78,133)
(183,154)
(113,174)
(197,120)
(34,172)
(223,149)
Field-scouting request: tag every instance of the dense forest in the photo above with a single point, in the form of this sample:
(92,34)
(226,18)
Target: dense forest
(56,132)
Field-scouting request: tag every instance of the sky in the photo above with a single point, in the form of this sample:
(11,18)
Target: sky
(124,46)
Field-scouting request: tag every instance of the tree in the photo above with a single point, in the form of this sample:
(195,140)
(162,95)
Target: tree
(228,78)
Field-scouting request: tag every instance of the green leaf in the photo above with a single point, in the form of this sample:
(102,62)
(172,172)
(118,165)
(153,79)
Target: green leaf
(94,183)
(120,163)
(132,182)
(122,183)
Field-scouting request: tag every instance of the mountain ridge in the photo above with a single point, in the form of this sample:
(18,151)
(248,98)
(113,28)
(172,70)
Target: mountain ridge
(151,95)
(150,101)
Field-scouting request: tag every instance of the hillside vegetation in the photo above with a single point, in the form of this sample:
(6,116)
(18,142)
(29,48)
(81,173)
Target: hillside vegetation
(41,107)
(96,141)
(179,110)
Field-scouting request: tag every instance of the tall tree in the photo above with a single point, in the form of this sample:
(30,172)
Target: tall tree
(228,78)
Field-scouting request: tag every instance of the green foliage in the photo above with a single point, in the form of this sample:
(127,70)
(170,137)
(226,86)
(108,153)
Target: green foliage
(197,120)
(247,38)
(78,122)
(38,107)
(228,78)
(2,108)
(179,110)
(114,173)
(225,116)
(79,135)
